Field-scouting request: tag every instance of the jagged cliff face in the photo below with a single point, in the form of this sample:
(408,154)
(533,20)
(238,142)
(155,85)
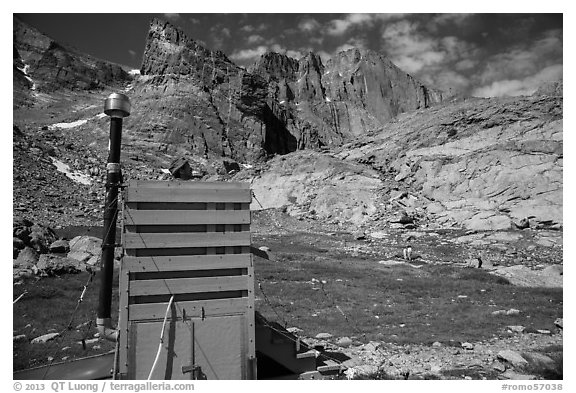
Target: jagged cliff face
(47,66)
(479,164)
(191,99)
(354,94)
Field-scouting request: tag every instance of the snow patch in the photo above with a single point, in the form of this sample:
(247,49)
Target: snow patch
(281,102)
(78,177)
(328,99)
(67,125)
(25,72)
(247,166)
(134,72)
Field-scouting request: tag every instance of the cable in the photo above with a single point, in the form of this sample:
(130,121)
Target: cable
(20,297)
(161,338)
(270,304)
(256,199)
(354,326)
(80,300)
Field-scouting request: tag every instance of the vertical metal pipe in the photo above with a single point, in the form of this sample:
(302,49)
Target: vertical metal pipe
(110,215)
(117,106)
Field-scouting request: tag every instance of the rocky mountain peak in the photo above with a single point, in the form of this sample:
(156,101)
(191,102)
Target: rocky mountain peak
(272,65)
(169,50)
(50,66)
(552,88)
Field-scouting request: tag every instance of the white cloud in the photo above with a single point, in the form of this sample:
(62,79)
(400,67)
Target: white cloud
(524,86)
(350,44)
(410,50)
(255,39)
(253,54)
(226,32)
(522,62)
(325,56)
(445,19)
(340,26)
(447,80)
(172,16)
(251,28)
(131,52)
(414,50)
(465,64)
(249,54)
(308,25)
(294,54)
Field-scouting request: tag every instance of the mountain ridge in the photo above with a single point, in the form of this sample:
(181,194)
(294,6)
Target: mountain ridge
(282,115)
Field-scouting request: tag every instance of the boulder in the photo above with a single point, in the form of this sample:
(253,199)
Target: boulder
(85,248)
(231,166)
(344,342)
(21,229)
(17,245)
(19,338)
(55,265)
(540,361)
(27,258)
(467,346)
(323,336)
(181,169)
(516,328)
(45,338)
(60,246)
(378,235)
(559,322)
(364,370)
(523,223)
(41,237)
(475,263)
(37,236)
(512,357)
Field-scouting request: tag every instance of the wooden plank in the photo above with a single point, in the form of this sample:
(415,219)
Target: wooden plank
(181,217)
(250,320)
(180,206)
(187,195)
(185,262)
(182,240)
(191,185)
(176,286)
(330,365)
(123,323)
(191,309)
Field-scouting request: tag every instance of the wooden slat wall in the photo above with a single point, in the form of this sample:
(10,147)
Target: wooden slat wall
(191,240)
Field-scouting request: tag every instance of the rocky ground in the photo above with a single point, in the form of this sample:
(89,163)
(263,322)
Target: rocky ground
(524,349)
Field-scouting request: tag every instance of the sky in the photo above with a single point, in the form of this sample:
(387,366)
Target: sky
(482,54)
